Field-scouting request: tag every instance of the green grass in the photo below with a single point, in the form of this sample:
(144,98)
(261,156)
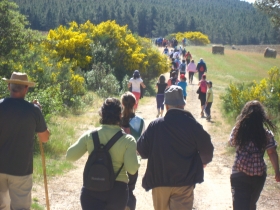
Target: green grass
(35,205)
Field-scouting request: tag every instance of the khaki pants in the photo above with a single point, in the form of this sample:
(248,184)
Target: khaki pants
(15,192)
(173,198)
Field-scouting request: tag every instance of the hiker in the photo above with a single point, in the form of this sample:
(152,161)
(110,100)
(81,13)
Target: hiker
(184,52)
(19,121)
(191,69)
(173,79)
(122,153)
(165,51)
(161,86)
(182,67)
(209,100)
(188,57)
(135,126)
(173,64)
(135,84)
(202,93)
(183,84)
(252,136)
(201,68)
(171,54)
(177,148)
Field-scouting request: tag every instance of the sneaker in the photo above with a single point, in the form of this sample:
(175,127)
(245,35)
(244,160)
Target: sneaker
(208,118)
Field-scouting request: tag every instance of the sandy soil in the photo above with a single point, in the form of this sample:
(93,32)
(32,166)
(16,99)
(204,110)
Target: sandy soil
(214,193)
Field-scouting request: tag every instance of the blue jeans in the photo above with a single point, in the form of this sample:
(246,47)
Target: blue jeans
(246,190)
(208,109)
(114,199)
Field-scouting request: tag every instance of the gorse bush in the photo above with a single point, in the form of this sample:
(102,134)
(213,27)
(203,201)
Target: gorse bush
(267,91)
(195,38)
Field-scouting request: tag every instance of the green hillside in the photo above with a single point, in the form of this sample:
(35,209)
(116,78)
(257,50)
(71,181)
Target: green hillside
(224,21)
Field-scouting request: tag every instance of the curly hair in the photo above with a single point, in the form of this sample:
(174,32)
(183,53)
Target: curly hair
(110,112)
(250,126)
(128,102)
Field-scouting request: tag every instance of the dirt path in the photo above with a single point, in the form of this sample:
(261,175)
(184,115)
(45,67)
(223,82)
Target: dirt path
(213,194)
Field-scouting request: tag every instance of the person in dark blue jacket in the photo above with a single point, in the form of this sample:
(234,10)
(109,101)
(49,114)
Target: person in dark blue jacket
(201,68)
(177,148)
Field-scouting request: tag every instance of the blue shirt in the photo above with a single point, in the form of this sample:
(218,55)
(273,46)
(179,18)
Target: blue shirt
(183,85)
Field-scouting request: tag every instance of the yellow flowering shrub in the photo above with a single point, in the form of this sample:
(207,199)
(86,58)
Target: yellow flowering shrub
(196,38)
(267,91)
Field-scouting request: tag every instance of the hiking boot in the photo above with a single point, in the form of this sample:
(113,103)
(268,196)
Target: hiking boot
(208,118)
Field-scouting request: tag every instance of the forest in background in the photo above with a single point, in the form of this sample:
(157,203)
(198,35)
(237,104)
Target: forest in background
(224,21)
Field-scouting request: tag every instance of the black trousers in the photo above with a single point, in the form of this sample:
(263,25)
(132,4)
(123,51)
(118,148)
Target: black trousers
(246,190)
(208,109)
(131,203)
(114,199)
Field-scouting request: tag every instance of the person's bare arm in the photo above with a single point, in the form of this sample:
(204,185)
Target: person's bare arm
(143,85)
(44,136)
(273,156)
(129,84)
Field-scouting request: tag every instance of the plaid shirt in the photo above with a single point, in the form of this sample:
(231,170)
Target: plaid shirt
(249,159)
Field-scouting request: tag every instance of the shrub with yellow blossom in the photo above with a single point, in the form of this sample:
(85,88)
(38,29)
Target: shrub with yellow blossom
(267,91)
(194,37)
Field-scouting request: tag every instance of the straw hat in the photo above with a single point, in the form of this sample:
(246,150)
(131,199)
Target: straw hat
(19,78)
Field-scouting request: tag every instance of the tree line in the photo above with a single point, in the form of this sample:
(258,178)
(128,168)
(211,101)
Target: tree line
(224,21)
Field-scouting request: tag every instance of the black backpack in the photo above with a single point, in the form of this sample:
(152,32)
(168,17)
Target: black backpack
(99,173)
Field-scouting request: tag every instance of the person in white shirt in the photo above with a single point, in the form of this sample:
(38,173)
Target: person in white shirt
(134,85)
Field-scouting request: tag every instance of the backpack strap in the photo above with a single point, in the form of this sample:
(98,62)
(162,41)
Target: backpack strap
(113,140)
(96,141)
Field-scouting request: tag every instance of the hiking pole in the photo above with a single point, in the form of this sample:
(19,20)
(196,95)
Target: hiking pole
(45,175)
(43,164)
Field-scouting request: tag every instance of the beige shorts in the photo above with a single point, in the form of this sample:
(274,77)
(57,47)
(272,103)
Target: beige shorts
(15,192)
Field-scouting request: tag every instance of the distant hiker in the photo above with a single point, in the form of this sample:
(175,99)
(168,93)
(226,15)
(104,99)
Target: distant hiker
(202,93)
(251,136)
(134,84)
(173,64)
(188,57)
(183,84)
(184,52)
(175,43)
(173,79)
(171,54)
(182,67)
(161,86)
(165,51)
(176,54)
(209,100)
(135,126)
(19,122)
(177,148)
(201,68)
(177,63)
(122,153)
(191,69)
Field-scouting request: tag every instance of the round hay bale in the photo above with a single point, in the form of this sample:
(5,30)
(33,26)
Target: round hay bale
(218,49)
(270,53)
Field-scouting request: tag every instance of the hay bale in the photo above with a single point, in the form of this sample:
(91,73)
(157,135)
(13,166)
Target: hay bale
(218,49)
(270,53)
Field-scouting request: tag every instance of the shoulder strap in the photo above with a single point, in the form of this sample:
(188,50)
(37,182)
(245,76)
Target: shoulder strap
(96,141)
(113,140)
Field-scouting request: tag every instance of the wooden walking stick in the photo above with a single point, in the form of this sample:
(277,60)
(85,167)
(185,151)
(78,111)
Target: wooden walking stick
(43,164)
(45,175)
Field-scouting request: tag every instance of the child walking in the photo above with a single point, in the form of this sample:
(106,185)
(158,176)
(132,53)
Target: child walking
(161,86)
(209,100)
(183,84)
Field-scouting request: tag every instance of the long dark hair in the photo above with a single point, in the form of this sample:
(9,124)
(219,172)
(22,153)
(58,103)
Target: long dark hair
(128,102)
(161,79)
(250,126)
(110,112)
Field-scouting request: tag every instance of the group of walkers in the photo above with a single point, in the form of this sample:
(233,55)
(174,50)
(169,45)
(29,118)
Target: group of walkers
(176,146)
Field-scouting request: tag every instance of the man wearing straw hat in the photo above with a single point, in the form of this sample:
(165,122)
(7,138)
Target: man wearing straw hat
(177,149)
(19,121)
